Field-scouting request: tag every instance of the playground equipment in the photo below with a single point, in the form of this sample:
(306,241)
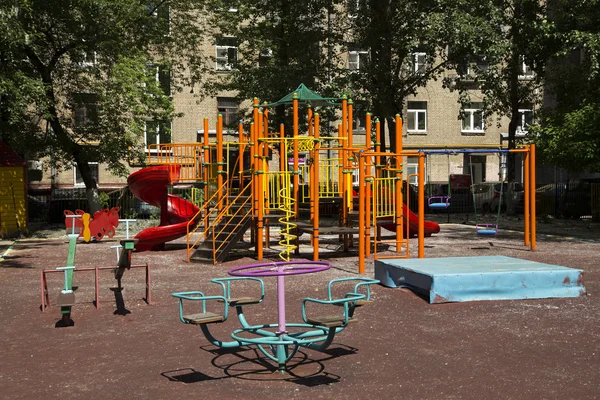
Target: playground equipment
(276,340)
(264,177)
(103,223)
(254,182)
(151,185)
(66,298)
(439,202)
(458,279)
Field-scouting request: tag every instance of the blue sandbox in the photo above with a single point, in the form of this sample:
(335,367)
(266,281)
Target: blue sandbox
(457,279)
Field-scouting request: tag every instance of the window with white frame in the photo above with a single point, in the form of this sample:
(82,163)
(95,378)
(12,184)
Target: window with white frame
(412,167)
(472,65)
(416,120)
(77,178)
(161,75)
(525,71)
(357,59)
(525,117)
(229,108)
(156,133)
(473,118)
(419,62)
(226,50)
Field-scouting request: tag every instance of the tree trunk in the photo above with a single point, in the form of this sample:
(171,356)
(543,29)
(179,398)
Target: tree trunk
(91,186)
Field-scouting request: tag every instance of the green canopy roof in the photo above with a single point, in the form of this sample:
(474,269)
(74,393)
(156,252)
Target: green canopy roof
(305,95)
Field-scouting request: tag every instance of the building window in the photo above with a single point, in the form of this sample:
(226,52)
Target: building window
(265,57)
(228,107)
(226,53)
(156,133)
(85,109)
(525,71)
(412,167)
(161,76)
(525,117)
(357,59)
(419,62)
(472,118)
(417,116)
(78,180)
(356,7)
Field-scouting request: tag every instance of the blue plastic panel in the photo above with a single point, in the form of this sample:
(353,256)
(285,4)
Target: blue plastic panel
(457,279)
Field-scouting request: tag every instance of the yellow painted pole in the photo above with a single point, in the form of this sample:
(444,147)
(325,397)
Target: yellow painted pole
(532,196)
(242,147)
(315,186)
(527,194)
(421,205)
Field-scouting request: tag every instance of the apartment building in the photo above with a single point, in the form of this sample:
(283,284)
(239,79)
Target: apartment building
(432,118)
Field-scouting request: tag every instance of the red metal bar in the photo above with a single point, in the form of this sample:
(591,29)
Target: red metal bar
(44,283)
(96,289)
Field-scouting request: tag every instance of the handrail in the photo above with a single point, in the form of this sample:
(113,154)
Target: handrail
(221,216)
(204,207)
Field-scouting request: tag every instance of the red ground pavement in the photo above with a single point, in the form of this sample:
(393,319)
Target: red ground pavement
(401,347)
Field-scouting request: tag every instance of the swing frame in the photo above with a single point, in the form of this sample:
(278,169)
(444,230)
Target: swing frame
(485,229)
(438,202)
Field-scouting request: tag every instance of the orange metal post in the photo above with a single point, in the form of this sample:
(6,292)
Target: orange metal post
(532,196)
(260,189)
(309,114)
(282,150)
(315,188)
(361,214)
(206,149)
(399,199)
(311,178)
(367,183)
(220,162)
(377,164)
(295,174)
(421,205)
(527,194)
(341,162)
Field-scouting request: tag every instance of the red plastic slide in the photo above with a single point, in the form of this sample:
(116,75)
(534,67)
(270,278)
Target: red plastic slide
(151,185)
(412,220)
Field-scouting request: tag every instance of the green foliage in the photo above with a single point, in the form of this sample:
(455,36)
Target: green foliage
(571,140)
(78,79)
(568,133)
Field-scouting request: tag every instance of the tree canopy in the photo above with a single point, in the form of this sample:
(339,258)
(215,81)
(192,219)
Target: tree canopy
(568,134)
(80,79)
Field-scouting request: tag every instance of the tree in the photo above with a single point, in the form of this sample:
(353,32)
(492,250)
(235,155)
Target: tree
(505,53)
(407,42)
(278,45)
(80,78)
(568,132)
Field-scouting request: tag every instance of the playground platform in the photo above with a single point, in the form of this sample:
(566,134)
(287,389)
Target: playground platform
(459,279)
